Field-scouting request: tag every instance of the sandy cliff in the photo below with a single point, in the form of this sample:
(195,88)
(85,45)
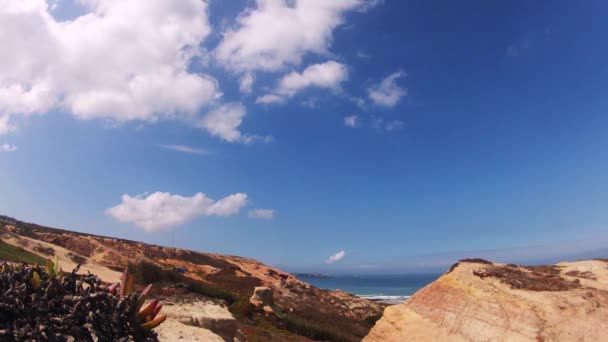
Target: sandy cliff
(482,301)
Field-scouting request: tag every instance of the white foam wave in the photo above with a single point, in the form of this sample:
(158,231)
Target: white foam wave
(384,297)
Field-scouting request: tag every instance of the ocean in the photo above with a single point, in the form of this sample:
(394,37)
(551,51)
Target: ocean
(386,288)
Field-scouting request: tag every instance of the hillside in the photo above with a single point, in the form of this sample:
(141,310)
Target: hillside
(482,301)
(300,310)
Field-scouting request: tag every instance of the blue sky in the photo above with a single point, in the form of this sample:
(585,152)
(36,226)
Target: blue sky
(404,134)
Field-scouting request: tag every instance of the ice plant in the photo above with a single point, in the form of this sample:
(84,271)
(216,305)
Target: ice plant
(35,281)
(52,268)
(39,304)
(147,317)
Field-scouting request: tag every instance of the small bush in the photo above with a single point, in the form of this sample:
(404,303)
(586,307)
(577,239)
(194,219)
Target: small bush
(371,320)
(146,273)
(313,330)
(242,308)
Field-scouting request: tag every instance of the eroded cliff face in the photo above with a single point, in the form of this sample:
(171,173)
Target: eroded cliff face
(482,301)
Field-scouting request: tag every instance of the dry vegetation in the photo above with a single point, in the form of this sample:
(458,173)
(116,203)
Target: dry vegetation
(531,278)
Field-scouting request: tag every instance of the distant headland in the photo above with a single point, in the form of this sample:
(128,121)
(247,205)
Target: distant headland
(312,275)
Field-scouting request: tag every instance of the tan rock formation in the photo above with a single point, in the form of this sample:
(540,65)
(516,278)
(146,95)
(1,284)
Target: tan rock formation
(262,296)
(206,315)
(481,301)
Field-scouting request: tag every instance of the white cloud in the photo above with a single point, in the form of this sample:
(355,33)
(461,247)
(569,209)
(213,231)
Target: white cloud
(8,148)
(369,5)
(394,125)
(186,149)
(162,210)
(387,93)
(277,33)
(363,55)
(224,122)
(326,75)
(262,213)
(351,121)
(228,206)
(269,99)
(121,60)
(246,83)
(336,257)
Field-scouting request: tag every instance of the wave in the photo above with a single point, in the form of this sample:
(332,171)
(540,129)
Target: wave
(384,297)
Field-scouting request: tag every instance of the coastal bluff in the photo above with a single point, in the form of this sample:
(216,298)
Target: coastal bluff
(477,300)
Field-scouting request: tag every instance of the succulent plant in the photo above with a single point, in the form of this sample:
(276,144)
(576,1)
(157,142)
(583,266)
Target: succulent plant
(42,303)
(52,268)
(147,317)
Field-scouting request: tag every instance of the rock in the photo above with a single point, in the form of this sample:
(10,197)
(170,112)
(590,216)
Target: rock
(205,315)
(482,301)
(172,330)
(262,296)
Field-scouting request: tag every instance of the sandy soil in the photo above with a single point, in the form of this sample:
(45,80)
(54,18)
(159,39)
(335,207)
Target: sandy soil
(65,262)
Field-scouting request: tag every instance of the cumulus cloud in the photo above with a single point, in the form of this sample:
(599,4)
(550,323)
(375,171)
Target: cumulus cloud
(326,75)
(224,122)
(186,149)
(336,257)
(163,210)
(387,93)
(228,205)
(262,213)
(269,99)
(246,83)
(121,60)
(8,148)
(351,121)
(278,33)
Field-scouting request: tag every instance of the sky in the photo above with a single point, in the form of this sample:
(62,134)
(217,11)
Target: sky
(351,136)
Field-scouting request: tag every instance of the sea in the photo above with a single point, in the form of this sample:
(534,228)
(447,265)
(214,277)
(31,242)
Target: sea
(391,289)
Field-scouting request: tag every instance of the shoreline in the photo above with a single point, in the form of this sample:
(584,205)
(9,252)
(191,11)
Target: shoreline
(384,299)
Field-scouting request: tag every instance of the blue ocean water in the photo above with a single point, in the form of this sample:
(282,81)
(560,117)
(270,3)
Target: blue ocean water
(375,287)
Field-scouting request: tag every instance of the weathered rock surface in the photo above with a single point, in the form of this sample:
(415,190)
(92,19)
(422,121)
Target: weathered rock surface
(204,315)
(481,301)
(172,330)
(262,296)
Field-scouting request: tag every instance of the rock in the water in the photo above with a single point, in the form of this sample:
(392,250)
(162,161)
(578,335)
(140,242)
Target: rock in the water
(480,301)
(262,296)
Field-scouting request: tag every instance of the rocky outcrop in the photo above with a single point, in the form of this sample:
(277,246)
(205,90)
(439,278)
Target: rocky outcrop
(482,301)
(262,296)
(206,315)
